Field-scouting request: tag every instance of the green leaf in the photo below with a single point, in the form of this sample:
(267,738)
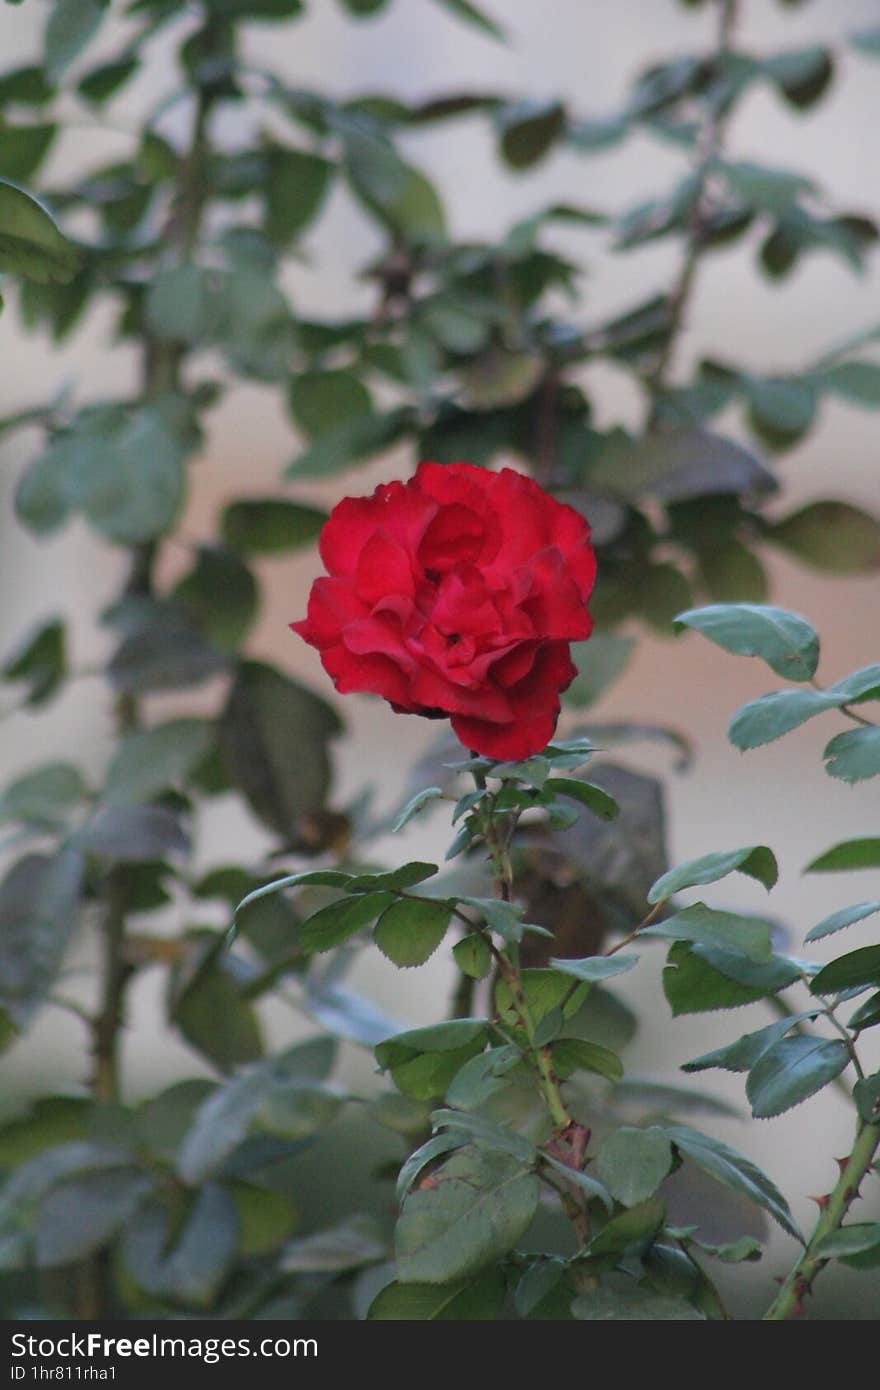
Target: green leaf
(393,191)
(693,986)
(214,1018)
(471,14)
(831,536)
(335,923)
(327,401)
(633,1162)
(164,653)
(576,1054)
(151,760)
(546,992)
(225,1117)
(769,717)
(39,907)
(221,595)
(595,798)
(270,525)
(636,1227)
(631,1302)
(30,243)
(72,24)
(22,149)
(482,1077)
(781,409)
(793,1069)
(40,660)
(861,967)
(350,1244)
(595,968)
(747,1050)
(867,1015)
(866,1094)
(772,190)
(734,1171)
(410,930)
(104,81)
(472,956)
(465,1300)
(81,1215)
(704,926)
(854,381)
(849,854)
(407,876)
(50,1121)
(414,806)
(265,1219)
(131,834)
(424,1061)
(45,796)
(295,192)
(529,129)
(757,861)
(337,449)
(479,1205)
(600,662)
(849,1240)
(853,755)
(275,735)
(183,1261)
(801,75)
(784,640)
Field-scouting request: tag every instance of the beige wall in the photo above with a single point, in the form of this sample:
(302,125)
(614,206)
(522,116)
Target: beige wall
(583,50)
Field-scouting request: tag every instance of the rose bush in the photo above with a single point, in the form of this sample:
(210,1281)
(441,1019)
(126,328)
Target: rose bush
(456,594)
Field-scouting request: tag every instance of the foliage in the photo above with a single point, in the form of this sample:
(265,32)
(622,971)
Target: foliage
(188,1203)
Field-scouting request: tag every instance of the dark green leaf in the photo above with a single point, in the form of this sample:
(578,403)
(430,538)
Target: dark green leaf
(103,82)
(855,381)
(410,930)
(636,1227)
(692,985)
(594,968)
(793,1069)
(131,834)
(221,595)
(472,956)
(335,923)
(392,190)
(349,1245)
(733,1170)
(337,449)
(633,1162)
(473,1300)
(600,662)
(849,1240)
(215,1019)
(769,717)
(296,188)
(757,861)
(867,1015)
(704,926)
(801,75)
(72,24)
(631,1302)
(482,1077)
(576,1054)
(269,525)
(40,660)
(849,854)
(275,735)
(39,907)
(831,536)
(844,917)
(184,1262)
(861,967)
(30,243)
(866,1094)
(224,1118)
(747,1050)
(45,796)
(784,640)
(594,798)
(327,401)
(151,760)
(528,131)
(478,1206)
(22,149)
(79,1216)
(164,654)
(781,409)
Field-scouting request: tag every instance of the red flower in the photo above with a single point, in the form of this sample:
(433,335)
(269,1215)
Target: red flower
(456,593)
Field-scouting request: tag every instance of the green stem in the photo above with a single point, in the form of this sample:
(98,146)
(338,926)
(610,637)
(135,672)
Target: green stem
(789,1302)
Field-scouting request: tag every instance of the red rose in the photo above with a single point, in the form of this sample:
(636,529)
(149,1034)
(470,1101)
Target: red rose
(456,593)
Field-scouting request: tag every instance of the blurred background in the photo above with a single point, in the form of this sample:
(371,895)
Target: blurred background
(583,51)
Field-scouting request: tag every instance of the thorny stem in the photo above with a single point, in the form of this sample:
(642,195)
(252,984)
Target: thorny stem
(789,1302)
(709,148)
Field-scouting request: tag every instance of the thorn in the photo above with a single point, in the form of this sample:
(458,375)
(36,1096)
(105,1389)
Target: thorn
(841,1163)
(821,1202)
